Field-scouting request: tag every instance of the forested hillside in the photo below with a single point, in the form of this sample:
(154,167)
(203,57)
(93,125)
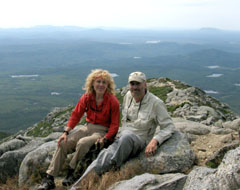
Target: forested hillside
(45,67)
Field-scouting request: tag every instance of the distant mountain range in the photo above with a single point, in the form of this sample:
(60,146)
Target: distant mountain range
(60,58)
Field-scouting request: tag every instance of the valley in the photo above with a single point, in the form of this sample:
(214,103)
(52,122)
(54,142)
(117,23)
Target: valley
(40,71)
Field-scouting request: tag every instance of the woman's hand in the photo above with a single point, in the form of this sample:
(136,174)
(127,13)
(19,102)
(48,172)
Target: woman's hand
(101,142)
(62,137)
(151,148)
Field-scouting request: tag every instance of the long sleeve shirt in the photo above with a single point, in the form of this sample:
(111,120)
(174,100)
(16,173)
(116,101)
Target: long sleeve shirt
(144,117)
(106,114)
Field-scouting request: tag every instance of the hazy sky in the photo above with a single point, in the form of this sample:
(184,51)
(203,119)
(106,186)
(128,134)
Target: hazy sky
(223,14)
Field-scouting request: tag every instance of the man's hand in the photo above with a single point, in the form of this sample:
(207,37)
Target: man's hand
(151,148)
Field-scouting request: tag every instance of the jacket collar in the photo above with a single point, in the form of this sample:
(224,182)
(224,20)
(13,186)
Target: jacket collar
(145,98)
(106,95)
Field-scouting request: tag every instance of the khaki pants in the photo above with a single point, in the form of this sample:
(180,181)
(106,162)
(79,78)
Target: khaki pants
(80,142)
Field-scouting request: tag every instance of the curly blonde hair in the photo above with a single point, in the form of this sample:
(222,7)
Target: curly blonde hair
(96,74)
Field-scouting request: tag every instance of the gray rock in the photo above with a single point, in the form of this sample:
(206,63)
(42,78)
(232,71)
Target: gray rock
(196,117)
(52,136)
(58,129)
(11,145)
(35,162)
(24,138)
(207,110)
(219,123)
(220,131)
(152,182)
(215,160)
(191,103)
(210,120)
(190,137)
(191,127)
(174,155)
(226,176)
(14,159)
(235,124)
(197,177)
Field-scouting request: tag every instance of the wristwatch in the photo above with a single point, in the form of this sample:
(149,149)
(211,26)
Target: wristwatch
(66,132)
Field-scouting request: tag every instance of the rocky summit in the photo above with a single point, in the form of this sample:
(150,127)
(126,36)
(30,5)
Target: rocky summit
(203,153)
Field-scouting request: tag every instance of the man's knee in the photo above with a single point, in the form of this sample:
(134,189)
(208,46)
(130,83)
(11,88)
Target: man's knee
(103,162)
(126,139)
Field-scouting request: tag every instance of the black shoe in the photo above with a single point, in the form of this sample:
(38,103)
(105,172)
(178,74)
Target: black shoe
(47,183)
(69,179)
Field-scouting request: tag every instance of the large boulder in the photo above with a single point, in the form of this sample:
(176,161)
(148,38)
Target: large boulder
(14,159)
(235,124)
(226,176)
(11,145)
(195,128)
(36,162)
(174,155)
(13,152)
(152,182)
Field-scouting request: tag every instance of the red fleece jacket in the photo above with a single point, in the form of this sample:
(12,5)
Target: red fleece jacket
(106,114)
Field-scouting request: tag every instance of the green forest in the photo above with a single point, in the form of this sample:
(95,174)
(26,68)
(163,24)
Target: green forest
(40,70)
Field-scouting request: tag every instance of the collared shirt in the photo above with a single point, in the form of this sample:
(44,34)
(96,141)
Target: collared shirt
(143,117)
(106,114)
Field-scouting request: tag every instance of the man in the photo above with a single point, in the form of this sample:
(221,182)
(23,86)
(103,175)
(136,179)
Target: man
(142,113)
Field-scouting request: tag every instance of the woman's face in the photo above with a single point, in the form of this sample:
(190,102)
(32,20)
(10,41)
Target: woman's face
(100,85)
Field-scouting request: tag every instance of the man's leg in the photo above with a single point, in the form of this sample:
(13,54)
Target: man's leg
(103,163)
(128,145)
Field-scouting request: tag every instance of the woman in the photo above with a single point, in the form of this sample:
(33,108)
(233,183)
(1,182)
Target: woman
(102,117)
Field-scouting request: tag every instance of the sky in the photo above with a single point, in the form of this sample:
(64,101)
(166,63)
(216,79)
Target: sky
(153,14)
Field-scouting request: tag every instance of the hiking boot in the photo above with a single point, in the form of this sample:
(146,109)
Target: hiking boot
(69,179)
(47,183)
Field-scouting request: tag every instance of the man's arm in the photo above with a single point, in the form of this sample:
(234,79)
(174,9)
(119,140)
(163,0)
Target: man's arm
(167,128)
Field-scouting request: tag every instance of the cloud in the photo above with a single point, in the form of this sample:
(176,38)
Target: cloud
(55,93)
(24,76)
(213,66)
(214,75)
(211,92)
(153,42)
(114,75)
(124,13)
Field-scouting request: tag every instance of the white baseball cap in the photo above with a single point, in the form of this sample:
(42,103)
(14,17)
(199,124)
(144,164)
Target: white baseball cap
(137,76)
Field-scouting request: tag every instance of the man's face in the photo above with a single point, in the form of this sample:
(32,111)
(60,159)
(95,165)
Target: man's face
(137,89)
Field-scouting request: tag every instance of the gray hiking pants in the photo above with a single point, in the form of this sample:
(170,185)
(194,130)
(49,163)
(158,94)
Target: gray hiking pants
(127,146)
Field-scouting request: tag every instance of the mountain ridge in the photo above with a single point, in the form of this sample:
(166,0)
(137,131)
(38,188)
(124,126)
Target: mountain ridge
(199,118)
